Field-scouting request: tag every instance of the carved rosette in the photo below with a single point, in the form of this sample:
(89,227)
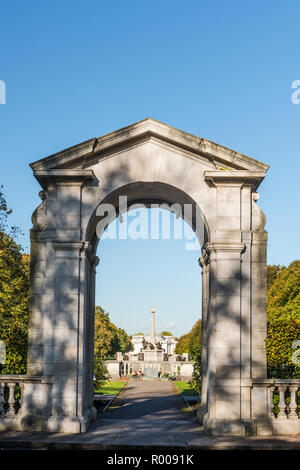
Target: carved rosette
(39,216)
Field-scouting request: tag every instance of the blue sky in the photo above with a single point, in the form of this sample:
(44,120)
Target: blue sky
(220,70)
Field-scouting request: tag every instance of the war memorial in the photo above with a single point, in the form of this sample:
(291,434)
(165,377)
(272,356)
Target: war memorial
(153,357)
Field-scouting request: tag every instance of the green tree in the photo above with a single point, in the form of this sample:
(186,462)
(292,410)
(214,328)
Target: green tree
(125,344)
(272,272)
(183,344)
(166,333)
(191,342)
(101,375)
(4,212)
(196,380)
(14,295)
(281,336)
(195,344)
(108,338)
(283,312)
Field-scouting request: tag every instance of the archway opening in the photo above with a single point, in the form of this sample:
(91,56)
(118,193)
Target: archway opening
(148,257)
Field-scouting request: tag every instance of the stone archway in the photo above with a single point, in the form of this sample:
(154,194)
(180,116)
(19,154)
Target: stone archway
(147,161)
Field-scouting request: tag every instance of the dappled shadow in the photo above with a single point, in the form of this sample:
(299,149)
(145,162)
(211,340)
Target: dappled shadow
(157,407)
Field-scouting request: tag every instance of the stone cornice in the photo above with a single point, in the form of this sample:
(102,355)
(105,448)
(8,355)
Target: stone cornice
(77,246)
(222,250)
(234,177)
(56,177)
(67,245)
(78,155)
(215,247)
(211,249)
(70,153)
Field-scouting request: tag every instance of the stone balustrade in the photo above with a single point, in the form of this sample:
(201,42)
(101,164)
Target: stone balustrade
(276,405)
(286,394)
(12,393)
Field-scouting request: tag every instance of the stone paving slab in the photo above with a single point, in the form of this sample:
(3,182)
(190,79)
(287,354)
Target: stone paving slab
(187,441)
(145,415)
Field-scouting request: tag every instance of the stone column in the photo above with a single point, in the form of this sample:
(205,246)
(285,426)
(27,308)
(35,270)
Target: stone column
(232,352)
(259,290)
(61,291)
(92,262)
(65,361)
(204,263)
(224,340)
(38,255)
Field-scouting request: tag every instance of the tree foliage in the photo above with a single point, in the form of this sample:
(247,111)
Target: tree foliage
(195,344)
(4,212)
(125,344)
(191,342)
(101,375)
(183,344)
(272,272)
(166,333)
(14,295)
(196,381)
(283,312)
(108,338)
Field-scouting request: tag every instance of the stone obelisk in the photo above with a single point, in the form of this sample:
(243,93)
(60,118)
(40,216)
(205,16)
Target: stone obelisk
(152,330)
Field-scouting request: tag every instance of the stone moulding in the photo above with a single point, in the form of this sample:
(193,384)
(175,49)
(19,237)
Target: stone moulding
(54,177)
(239,177)
(141,130)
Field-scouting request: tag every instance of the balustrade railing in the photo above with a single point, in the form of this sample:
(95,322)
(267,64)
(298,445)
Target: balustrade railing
(12,392)
(282,398)
(285,398)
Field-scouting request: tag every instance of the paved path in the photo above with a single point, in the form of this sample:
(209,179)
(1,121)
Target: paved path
(145,414)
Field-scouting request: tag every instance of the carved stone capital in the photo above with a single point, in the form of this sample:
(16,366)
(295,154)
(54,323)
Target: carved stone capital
(204,259)
(226,251)
(92,259)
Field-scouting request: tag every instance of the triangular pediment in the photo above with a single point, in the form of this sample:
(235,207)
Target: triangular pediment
(82,155)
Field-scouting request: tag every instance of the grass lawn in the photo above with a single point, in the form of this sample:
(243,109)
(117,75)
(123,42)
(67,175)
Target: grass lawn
(185,389)
(111,388)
